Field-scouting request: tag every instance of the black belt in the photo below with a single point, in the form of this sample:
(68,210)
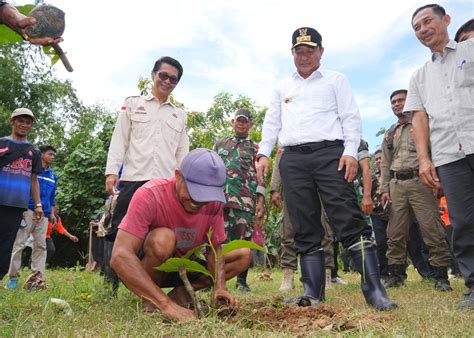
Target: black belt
(311,147)
(403,175)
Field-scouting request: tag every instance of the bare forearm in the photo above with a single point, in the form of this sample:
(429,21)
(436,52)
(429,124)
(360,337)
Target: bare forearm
(421,132)
(35,192)
(9,16)
(366,175)
(130,270)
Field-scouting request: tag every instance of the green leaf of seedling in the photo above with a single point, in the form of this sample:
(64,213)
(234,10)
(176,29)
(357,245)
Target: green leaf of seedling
(54,59)
(239,244)
(197,251)
(172,265)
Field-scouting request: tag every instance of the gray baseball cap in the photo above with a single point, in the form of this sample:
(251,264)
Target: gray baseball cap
(205,175)
(22,111)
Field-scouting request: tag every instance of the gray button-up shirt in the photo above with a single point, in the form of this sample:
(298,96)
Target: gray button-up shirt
(444,89)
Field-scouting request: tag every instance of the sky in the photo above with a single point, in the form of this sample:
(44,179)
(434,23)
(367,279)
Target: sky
(243,47)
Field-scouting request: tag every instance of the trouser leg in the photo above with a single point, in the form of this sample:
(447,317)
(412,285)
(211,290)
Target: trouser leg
(380,229)
(109,274)
(418,252)
(123,201)
(20,242)
(288,258)
(38,253)
(10,219)
(397,230)
(457,179)
(426,210)
(50,250)
(327,241)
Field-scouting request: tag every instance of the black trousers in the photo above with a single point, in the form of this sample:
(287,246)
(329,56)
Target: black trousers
(10,219)
(50,250)
(306,178)
(457,179)
(127,189)
(380,230)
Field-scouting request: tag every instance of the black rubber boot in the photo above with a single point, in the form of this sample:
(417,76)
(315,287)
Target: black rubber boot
(242,282)
(396,277)
(468,302)
(313,274)
(365,261)
(441,279)
(313,277)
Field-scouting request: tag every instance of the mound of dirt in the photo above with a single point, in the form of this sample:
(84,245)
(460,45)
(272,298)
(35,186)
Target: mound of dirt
(302,321)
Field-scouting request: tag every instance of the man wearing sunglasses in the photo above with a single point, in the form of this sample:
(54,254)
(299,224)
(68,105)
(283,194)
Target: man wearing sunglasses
(149,140)
(315,118)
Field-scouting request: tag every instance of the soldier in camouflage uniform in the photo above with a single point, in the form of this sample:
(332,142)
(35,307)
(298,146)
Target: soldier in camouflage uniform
(239,154)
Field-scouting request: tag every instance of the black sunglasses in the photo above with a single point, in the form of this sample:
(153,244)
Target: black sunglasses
(165,76)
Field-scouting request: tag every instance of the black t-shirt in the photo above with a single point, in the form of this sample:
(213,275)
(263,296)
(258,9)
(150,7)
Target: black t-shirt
(18,160)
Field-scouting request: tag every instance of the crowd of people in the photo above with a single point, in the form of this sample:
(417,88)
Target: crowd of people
(167,199)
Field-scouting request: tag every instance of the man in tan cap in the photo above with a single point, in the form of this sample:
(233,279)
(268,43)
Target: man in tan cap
(20,164)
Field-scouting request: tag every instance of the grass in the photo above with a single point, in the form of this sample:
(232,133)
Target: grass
(423,311)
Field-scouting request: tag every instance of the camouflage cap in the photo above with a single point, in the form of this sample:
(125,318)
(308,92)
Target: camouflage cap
(242,112)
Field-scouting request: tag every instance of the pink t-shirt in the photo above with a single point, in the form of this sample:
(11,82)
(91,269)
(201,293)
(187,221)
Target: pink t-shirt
(155,205)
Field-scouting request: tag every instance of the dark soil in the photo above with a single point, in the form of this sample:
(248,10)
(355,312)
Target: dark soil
(50,22)
(300,321)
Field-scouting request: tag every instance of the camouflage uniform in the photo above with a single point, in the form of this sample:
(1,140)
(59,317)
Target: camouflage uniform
(239,155)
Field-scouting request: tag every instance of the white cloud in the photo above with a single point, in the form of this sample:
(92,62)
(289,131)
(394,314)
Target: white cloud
(238,46)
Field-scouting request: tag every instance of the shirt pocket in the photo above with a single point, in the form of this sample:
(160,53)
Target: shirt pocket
(172,129)
(320,102)
(141,123)
(464,74)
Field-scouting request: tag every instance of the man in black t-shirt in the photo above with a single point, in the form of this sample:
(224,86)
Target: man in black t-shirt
(20,164)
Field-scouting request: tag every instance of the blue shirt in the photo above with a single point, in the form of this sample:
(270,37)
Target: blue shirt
(15,177)
(47,183)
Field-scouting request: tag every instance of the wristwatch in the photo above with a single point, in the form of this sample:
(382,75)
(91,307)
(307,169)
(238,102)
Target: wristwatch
(39,205)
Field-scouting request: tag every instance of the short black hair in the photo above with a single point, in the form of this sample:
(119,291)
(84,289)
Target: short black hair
(437,9)
(378,151)
(398,91)
(465,28)
(169,60)
(46,148)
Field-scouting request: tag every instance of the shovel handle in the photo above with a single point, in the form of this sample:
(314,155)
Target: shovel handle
(62,56)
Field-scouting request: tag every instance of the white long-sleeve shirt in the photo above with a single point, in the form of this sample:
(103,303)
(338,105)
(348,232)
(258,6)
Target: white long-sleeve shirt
(319,108)
(149,139)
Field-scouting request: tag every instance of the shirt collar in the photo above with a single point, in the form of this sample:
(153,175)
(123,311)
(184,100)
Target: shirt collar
(151,97)
(320,72)
(451,45)
(237,138)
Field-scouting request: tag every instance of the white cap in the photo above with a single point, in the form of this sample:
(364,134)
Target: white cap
(22,111)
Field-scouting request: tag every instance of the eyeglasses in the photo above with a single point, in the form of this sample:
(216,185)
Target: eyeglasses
(165,76)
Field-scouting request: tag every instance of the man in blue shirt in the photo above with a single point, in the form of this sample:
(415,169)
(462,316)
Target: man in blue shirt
(19,167)
(47,183)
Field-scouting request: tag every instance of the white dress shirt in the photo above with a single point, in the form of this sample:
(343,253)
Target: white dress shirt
(318,108)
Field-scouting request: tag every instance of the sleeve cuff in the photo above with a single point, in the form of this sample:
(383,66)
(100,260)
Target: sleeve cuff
(350,149)
(261,190)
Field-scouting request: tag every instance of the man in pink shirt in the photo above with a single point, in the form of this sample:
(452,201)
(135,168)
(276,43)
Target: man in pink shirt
(168,217)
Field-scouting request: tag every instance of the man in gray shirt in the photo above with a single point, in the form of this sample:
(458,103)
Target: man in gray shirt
(441,98)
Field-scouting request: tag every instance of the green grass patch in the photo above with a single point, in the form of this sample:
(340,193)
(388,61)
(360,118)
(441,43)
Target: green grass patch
(423,311)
